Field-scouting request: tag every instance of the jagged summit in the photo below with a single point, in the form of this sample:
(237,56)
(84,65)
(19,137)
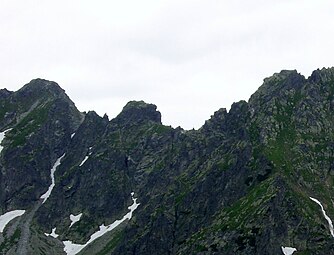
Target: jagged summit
(139,112)
(322,75)
(136,105)
(5,93)
(92,114)
(277,85)
(41,86)
(284,79)
(216,121)
(37,95)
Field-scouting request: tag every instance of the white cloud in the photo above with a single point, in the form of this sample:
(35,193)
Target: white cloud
(188,57)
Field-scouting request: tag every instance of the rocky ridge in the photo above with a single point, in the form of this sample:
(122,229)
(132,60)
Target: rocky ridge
(240,184)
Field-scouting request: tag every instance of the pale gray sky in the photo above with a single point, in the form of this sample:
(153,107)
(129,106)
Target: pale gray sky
(190,58)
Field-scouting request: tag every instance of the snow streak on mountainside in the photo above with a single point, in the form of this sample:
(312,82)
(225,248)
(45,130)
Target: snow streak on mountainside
(47,194)
(330,223)
(2,136)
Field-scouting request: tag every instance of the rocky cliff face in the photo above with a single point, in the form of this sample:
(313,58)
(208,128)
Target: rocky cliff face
(241,184)
(41,118)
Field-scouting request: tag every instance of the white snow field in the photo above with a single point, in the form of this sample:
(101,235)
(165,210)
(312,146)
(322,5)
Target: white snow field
(75,218)
(72,248)
(288,250)
(8,216)
(53,233)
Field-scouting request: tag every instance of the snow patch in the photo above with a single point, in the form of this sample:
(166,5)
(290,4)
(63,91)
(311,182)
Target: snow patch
(47,194)
(330,223)
(288,250)
(75,218)
(83,162)
(87,157)
(2,136)
(72,248)
(8,216)
(53,233)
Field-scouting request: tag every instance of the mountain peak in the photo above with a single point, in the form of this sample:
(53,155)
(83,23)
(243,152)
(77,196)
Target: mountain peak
(5,93)
(137,105)
(139,111)
(322,75)
(40,85)
(277,85)
(283,79)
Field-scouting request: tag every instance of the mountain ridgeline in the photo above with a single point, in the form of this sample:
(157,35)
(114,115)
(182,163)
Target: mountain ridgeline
(258,179)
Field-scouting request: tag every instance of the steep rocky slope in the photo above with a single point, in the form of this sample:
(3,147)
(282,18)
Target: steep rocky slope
(241,184)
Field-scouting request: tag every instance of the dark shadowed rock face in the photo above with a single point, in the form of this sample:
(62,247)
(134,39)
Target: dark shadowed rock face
(4,93)
(238,185)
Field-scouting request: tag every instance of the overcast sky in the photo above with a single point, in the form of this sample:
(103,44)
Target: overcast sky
(190,58)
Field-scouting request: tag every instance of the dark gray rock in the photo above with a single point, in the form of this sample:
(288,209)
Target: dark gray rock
(238,185)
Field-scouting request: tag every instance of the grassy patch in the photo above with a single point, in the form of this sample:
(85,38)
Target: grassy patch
(110,246)
(28,125)
(250,206)
(10,242)
(160,129)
